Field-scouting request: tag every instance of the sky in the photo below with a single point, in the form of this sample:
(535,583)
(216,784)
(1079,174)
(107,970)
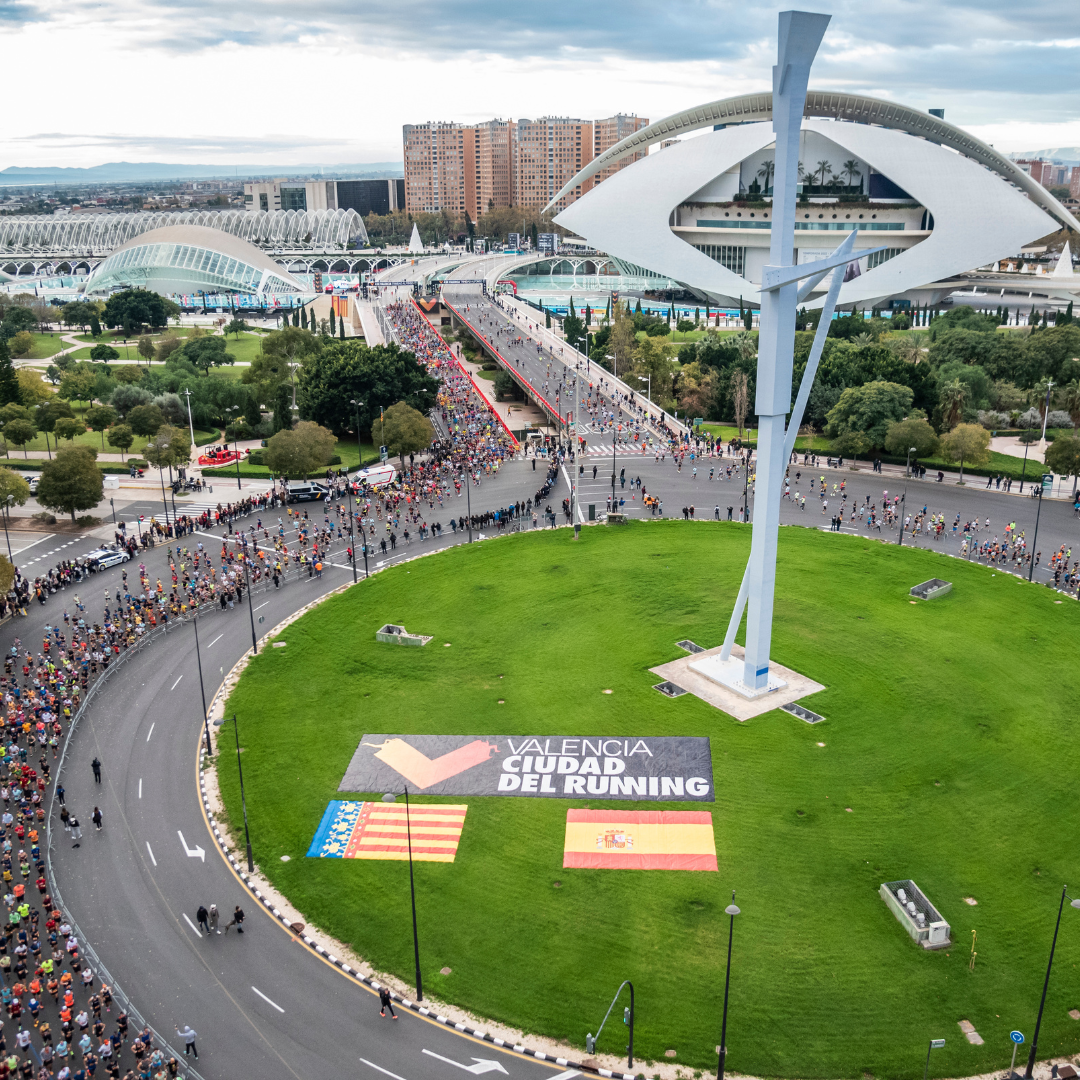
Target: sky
(300,82)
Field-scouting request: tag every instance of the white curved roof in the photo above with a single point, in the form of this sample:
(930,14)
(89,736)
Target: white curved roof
(854,107)
(98,233)
(189,258)
(977,218)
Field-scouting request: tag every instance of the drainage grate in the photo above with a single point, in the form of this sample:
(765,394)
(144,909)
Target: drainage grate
(669,689)
(689,646)
(802,714)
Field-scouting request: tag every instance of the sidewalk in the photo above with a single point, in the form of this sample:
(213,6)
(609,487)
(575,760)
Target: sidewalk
(513,413)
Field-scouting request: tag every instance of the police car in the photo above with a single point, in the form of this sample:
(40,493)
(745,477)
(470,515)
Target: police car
(103,558)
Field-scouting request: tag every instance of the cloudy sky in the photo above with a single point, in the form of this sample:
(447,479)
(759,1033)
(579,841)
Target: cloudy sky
(276,82)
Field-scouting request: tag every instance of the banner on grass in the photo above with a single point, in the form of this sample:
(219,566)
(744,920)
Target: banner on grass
(641,769)
(647,840)
(367,830)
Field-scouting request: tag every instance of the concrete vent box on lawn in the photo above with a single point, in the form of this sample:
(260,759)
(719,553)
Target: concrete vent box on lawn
(916,914)
(931,589)
(398,635)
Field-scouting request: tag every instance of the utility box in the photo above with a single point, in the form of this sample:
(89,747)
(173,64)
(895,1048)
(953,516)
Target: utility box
(592,511)
(931,589)
(397,635)
(916,914)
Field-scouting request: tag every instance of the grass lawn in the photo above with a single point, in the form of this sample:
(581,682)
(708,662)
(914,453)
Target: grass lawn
(93,438)
(45,345)
(244,348)
(949,733)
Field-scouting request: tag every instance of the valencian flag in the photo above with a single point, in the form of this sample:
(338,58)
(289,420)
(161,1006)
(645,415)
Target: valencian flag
(645,840)
(366,830)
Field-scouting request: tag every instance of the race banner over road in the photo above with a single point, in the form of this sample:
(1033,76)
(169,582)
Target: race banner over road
(641,769)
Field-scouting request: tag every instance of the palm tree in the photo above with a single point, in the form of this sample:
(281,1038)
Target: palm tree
(1072,401)
(767,169)
(825,169)
(952,402)
(851,170)
(863,340)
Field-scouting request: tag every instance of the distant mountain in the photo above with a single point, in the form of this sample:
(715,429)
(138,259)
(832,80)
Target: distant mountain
(119,172)
(1064,155)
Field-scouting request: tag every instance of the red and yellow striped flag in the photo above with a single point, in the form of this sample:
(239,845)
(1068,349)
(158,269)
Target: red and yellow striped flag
(647,840)
(367,830)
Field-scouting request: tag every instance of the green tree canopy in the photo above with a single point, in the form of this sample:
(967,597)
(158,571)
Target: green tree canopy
(207,352)
(904,434)
(1063,456)
(403,430)
(236,327)
(300,451)
(120,438)
(9,381)
(127,397)
(21,344)
(68,428)
(869,409)
(11,483)
(170,446)
(104,354)
(78,313)
(281,350)
(20,432)
(78,384)
(966,442)
(133,309)
(145,419)
(99,417)
(344,371)
(71,481)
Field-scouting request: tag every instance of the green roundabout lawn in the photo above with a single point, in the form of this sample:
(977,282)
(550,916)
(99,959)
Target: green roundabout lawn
(949,733)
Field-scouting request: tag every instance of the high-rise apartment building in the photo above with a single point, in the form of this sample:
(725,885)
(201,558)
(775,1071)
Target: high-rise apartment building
(502,163)
(1074,183)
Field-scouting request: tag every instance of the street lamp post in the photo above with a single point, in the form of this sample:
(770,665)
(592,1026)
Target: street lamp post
(468,499)
(412,890)
(251,610)
(1023,472)
(1035,538)
(243,798)
(359,454)
(907,469)
(1046,982)
(112,504)
(7,507)
(903,504)
(731,910)
(202,688)
(236,446)
(191,425)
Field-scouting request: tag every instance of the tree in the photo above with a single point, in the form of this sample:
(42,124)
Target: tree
(299,451)
(71,481)
(48,413)
(283,413)
(145,419)
(146,349)
(68,428)
(78,385)
(20,432)
(344,371)
(1071,400)
(870,408)
(133,309)
(127,373)
(953,395)
(236,327)
(1063,457)
(126,397)
(22,344)
(404,430)
(740,397)
(333,324)
(850,169)
(967,442)
(120,438)
(170,446)
(207,352)
(905,434)
(621,341)
(104,354)
(9,381)
(11,483)
(95,326)
(851,444)
(283,351)
(99,417)
(78,313)
(167,346)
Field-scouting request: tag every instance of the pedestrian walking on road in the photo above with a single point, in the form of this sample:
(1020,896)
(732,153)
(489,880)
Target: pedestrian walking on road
(386,1003)
(76,831)
(96,819)
(96,766)
(60,793)
(189,1038)
(214,916)
(237,920)
(202,917)
(65,818)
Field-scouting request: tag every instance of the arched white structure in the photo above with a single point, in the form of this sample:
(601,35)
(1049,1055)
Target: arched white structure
(977,216)
(191,259)
(854,108)
(102,233)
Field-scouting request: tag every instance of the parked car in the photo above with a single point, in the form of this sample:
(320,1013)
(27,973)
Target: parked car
(305,491)
(103,558)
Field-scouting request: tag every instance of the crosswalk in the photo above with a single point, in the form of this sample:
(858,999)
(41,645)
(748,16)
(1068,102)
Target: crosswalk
(629,450)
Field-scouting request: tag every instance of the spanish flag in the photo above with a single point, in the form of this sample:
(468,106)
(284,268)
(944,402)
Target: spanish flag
(647,840)
(367,830)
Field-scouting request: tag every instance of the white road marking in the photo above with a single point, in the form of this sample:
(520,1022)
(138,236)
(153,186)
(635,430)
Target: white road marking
(385,1072)
(261,606)
(215,641)
(140,793)
(267,1000)
(190,923)
(483,1065)
(176,684)
(152,859)
(196,852)
(150,732)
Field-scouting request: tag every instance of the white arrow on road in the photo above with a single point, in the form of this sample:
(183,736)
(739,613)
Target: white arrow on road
(195,852)
(483,1065)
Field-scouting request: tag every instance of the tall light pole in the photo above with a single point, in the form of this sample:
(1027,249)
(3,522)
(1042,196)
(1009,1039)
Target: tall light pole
(467,478)
(7,507)
(251,610)
(1046,982)
(907,470)
(243,798)
(235,409)
(359,453)
(202,688)
(191,425)
(412,890)
(1035,538)
(731,910)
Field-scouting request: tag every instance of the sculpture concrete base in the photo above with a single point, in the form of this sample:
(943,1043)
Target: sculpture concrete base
(703,675)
